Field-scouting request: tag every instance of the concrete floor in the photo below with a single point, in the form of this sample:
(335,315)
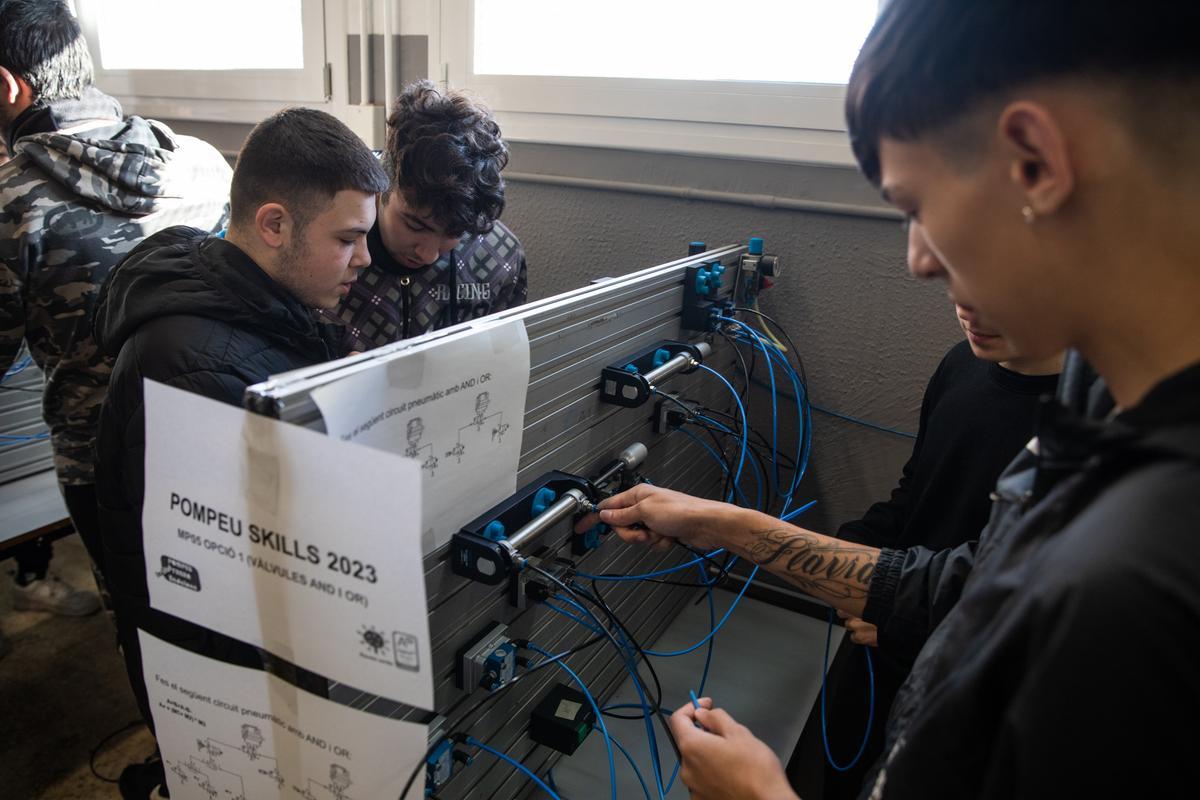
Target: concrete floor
(62,690)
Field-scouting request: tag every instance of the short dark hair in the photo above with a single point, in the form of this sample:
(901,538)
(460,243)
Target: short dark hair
(445,154)
(40,40)
(928,63)
(300,158)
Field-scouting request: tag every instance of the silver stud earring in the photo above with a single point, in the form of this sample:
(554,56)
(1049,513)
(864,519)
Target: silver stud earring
(1028,213)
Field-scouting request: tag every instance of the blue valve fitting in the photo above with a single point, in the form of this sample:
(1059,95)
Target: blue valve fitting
(542,500)
(756,245)
(494,531)
(714,277)
(591,537)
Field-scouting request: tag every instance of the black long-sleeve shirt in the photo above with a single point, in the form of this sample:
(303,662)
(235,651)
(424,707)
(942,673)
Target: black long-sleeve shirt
(975,417)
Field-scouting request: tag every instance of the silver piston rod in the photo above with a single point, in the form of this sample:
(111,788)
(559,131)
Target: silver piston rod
(573,501)
(677,364)
(629,459)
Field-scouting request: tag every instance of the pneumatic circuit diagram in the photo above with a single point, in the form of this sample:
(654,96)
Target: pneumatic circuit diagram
(484,430)
(454,405)
(225,770)
(234,733)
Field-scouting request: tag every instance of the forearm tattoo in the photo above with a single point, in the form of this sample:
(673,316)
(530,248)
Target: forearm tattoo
(816,564)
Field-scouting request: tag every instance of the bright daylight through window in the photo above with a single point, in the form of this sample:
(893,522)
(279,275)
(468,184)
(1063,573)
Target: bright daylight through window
(798,41)
(213,35)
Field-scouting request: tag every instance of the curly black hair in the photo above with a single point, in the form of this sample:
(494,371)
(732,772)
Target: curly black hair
(445,154)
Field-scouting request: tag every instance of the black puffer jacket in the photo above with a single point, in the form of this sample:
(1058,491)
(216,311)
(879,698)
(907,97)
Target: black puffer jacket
(194,312)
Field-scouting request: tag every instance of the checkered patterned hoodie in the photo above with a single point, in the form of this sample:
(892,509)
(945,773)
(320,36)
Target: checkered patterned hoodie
(389,301)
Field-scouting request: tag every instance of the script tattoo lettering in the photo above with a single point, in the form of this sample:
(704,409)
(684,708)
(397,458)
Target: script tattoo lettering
(838,570)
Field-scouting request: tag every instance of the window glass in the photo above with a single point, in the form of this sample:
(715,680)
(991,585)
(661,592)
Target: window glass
(800,41)
(213,35)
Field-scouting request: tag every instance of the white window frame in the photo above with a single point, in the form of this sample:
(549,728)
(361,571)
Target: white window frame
(241,95)
(796,122)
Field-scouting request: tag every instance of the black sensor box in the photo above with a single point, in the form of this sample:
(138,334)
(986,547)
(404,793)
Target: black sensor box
(562,720)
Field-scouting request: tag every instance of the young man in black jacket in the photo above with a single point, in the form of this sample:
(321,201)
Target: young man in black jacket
(439,252)
(1051,152)
(214,316)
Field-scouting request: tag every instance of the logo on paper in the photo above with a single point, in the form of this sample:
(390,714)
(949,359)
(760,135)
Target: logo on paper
(373,640)
(401,649)
(179,573)
(404,646)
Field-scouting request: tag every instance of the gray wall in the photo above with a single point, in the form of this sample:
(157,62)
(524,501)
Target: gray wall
(870,335)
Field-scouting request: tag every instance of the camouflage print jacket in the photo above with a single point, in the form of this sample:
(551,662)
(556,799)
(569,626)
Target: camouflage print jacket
(84,186)
(390,301)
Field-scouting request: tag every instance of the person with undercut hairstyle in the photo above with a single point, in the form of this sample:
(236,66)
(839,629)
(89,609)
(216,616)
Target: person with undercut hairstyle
(1051,152)
(439,253)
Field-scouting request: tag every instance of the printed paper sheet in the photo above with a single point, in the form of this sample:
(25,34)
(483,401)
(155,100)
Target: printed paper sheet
(289,540)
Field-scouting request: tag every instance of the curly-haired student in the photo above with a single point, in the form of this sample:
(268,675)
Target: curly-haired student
(439,254)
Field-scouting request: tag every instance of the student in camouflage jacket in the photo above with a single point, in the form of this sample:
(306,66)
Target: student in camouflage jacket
(439,254)
(84,185)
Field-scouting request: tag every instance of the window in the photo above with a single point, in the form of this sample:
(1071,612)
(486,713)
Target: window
(132,35)
(798,41)
(264,50)
(753,78)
